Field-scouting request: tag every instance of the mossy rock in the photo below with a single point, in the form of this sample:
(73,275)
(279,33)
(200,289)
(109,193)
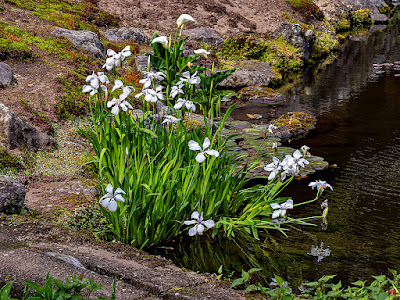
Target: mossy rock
(259,94)
(361,17)
(293,125)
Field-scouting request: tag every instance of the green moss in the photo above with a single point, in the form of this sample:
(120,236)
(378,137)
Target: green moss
(307,8)
(341,25)
(2,8)
(298,123)
(385,9)
(324,44)
(242,47)
(361,17)
(285,58)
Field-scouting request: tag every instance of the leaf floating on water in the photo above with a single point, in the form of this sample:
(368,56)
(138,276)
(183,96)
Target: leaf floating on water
(254,117)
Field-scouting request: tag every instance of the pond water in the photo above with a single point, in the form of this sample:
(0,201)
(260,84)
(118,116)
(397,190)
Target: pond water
(359,131)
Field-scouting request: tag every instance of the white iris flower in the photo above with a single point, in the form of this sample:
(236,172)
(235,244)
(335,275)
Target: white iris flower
(188,104)
(320,185)
(200,224)
(191,79)
(110,199)
(281,208)
(194,146)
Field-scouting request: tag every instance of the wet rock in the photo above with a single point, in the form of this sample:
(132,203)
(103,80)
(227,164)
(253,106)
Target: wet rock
(6,75)
(83,38)
(12,195)
(125,34)
(258,94)
(249,73)
(205,35)
(18,133)
(292,125)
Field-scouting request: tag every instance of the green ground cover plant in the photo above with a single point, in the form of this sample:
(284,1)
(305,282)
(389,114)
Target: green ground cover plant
(381,287)
(78,288)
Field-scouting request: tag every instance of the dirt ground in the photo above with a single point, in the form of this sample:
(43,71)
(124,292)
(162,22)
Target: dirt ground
(227,17)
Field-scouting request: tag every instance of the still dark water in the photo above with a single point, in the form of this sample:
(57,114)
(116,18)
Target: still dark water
(359,131)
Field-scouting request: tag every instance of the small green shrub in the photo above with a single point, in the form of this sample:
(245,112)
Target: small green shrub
(360,17)
(307,8)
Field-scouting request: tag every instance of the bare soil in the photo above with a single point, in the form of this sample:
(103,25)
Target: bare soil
(227,17)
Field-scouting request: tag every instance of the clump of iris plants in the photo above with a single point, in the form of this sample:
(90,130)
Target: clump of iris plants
(158,175)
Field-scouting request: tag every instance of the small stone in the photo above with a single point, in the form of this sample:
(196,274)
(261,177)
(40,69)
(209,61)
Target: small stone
(83,38)
(125,34)
(258,94)
(6,75)
(248,73)
(12,195)
(205,35)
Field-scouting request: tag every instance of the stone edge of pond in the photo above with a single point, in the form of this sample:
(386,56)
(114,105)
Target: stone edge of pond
(24,255)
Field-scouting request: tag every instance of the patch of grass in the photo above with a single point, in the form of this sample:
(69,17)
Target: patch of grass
(83,15)
(307,8)
(9,161)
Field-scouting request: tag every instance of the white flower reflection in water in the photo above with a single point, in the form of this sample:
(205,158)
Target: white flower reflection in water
(320,252)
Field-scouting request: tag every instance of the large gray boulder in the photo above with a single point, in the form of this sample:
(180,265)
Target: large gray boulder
(205,35)
(12,195)
(83,38)
(6,75)
(18,133)
(249,73)
(124,34)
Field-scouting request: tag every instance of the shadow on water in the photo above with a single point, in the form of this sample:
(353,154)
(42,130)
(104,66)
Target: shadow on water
(359,131)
